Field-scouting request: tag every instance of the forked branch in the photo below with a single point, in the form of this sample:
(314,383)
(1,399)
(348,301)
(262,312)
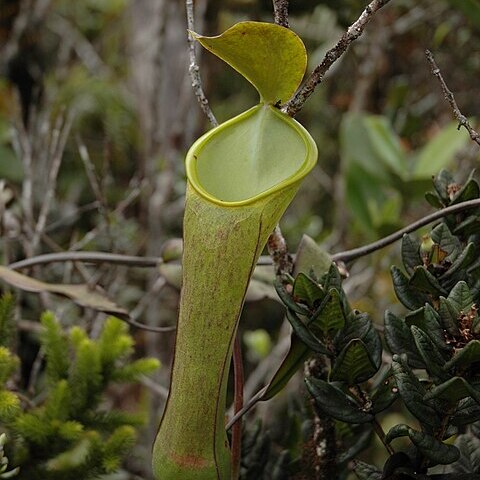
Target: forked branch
(462,119)
(316,77)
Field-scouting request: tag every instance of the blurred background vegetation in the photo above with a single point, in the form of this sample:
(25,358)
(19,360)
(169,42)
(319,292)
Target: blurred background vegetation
(96,115)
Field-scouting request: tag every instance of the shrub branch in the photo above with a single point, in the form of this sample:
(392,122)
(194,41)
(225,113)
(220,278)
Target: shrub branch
(462,119)
(355,30)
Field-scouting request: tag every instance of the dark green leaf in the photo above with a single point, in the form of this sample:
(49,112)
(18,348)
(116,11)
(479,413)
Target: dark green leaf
(470,226)
(361,442)
(410,253)
(428,320)
(448,316)
(397,465)
(441,183)
(399,339)
(305,335)
(426,282)
(433,200)
(466,356)
(442,236)
(433,449)
(307,291)
(360,326)
(453,390)
(469,191)
(417,317)
(364,471)
(329,316)
(354,364)
(468,411)
(461,297)
(332,279)
(430,447)
(469,460)
(295,357)
(431,356)
(408,295)
(288,300)
(412,393)
(397,431)
(334,402)
(385,395)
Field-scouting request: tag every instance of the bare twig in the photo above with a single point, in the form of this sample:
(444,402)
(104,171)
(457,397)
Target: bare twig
(59,140)
(237,428)
(194,68)
(92,178)
(88,257)
(354,31)
(462,119)
(148,328)
(22,21)
(86,52)
(150,262)
(350,255)
(99,257)
(280,12)
(247,407)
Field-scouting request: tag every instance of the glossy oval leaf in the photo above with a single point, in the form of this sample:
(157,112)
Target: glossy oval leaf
(461,297)
(272,58)
(466,356)
(385,395)
(435,450)
(424,281)
(360,327)
(365,471)
(453,390)
(429,352)
(305,335)
(335,403)
(307,291)
(410,253)
(329,317)
(287,298)
(413,392)
(249,157)
(354,364)
(399,339)
(407,294)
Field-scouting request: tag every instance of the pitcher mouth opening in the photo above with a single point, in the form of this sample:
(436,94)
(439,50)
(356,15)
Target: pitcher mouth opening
(250,157)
